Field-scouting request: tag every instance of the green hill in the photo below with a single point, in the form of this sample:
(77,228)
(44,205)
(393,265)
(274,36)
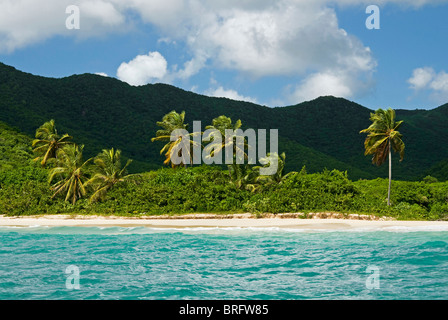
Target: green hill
(16,158)
(15,147)
(103,112)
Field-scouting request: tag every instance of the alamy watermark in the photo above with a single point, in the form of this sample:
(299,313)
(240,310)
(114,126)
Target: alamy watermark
(73,21)
(373,21)
(72,281)
(236,143)
(373,280)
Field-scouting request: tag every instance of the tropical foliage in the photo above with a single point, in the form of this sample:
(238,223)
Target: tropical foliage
(102,112)
(24,187)
(228,139)
(171,123)
(279,176)
(69,171)
(244,176)
(107,172)
(48,142)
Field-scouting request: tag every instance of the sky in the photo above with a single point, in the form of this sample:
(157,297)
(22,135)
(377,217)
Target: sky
(273,53)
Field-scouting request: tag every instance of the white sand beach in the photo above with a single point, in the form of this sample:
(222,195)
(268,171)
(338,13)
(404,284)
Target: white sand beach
(202,221)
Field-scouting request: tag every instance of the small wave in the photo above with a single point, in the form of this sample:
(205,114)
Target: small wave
(24,227)
(33,228)
(416,228)
(117,230)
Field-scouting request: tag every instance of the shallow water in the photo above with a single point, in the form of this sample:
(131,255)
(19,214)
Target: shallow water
(222,263)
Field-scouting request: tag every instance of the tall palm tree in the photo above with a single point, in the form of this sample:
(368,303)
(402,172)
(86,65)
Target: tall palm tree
(70,168)
(48,142)
(221,124)
(383,137)
(279,176)
(170,122)
(107,172)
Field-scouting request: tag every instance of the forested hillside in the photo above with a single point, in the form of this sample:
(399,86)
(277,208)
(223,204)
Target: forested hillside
(103,112)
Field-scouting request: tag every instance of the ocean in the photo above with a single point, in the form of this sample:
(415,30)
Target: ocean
(222,263)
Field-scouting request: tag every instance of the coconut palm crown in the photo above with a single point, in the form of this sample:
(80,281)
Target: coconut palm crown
(107,171)
(48,142)
(171,122)
(70,170)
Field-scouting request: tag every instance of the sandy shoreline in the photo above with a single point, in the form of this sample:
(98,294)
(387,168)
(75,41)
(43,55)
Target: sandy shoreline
(184,222)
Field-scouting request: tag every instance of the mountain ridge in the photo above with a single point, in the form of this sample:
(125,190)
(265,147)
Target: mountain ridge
(103,112)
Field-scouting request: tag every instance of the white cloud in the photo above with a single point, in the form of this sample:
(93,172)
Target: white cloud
(262,39)
(421,77)
(143,69)
(404,3)
(429,80)
(285,38)
(440,82)
(167,14)
(228,93)
(321,84)
(191,67)
(26,22)
(266,27)
(255,38)
(100,13)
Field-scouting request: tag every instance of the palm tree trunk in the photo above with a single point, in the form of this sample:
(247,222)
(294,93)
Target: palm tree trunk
(390,173)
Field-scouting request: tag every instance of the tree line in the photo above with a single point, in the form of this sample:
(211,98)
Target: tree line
(72,176)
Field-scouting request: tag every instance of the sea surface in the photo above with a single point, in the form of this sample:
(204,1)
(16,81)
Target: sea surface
(222,263)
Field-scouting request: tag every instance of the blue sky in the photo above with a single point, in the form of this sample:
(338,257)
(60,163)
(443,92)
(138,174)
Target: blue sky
(274,53)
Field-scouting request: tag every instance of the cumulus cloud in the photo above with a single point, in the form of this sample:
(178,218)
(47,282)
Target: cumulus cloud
(26,22)
(344,83)
(404,3)
(428,79)
(264,39)
(255,38)
(284,38)
(440,82)
(321,84)
(229,93)
(191,67)
(421,77)
(143,69)
(100,14)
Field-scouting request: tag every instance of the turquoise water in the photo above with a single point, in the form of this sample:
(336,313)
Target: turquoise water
(209,263)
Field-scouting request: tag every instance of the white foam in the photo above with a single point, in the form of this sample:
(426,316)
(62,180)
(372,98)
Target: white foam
(25,227)
(217,230)
(416,228)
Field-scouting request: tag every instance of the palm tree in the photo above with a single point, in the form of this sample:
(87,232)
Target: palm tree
(70,167)
(383,137)
(221,124)
(107,173)
(170,122)
(279,176)
(243,176)
(48,142)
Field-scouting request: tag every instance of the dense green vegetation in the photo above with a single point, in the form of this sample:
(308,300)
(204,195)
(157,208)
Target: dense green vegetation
(115,122)
(104,112)
(25,190)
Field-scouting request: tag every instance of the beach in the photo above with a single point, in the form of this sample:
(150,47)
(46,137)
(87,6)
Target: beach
(207,221)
